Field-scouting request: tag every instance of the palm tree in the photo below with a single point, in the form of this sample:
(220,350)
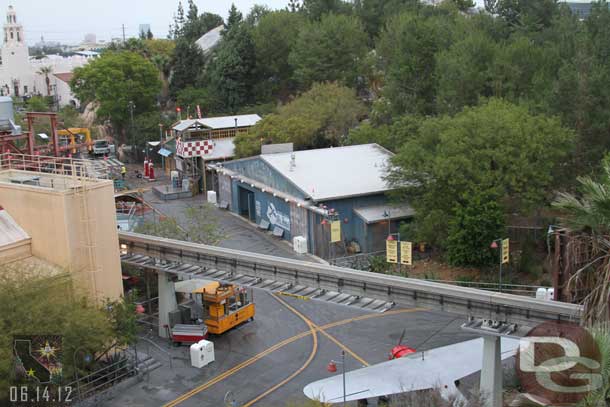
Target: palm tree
(588,249)
(46,71)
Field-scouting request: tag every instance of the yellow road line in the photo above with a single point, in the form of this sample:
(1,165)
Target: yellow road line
(277,346)
(312,330)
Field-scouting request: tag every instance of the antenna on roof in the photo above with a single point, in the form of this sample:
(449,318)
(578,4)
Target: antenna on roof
(293,162)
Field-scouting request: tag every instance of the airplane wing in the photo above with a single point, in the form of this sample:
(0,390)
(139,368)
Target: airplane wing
(436,368)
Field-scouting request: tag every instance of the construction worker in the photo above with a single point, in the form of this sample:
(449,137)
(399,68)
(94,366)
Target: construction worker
(123,171)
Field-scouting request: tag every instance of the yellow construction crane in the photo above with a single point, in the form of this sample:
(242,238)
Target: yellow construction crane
(72,132)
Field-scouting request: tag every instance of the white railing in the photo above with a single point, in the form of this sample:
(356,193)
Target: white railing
(60,166)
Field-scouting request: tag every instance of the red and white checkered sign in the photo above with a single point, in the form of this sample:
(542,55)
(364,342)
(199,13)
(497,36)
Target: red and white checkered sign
(199,148)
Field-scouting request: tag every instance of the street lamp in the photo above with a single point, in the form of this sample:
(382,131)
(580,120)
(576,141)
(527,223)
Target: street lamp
(332,368)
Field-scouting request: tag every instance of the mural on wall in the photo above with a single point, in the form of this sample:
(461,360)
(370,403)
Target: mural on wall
(258,209)
(277,218)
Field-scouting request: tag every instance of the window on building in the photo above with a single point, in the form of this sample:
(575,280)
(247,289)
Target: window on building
(12,35)
(18,37)
(25,89)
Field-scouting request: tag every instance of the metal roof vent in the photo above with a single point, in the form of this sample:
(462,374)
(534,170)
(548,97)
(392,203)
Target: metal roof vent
(293,162)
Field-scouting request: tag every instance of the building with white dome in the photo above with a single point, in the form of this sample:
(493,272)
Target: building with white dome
(23,76)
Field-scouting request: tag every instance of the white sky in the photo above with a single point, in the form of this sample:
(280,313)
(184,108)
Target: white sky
(68,21)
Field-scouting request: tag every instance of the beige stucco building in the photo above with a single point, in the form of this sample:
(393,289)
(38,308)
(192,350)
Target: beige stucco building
(68,217)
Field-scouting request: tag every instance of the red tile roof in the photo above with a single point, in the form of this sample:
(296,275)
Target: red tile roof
(66,76)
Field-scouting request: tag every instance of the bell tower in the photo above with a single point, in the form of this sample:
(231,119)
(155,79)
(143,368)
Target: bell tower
(15,61)
(13,31)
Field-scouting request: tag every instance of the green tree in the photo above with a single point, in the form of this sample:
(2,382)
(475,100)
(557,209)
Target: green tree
(329,50)
(200,226)
(231,74)
(496,148)
(274,38)
(391,136)
(235,17)
(477,220)
(531,15)
(188,61)
(463,5)
(38,104)
(115,79)
(463,72)
(315,9)
(46,71)
(374,13)
(320,117)
(257,12)
(190,97)
(408,47)
(587,215)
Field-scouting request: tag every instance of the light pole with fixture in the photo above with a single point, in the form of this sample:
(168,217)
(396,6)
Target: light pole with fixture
(503,244)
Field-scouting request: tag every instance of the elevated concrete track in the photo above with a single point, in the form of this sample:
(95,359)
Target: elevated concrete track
(157,252)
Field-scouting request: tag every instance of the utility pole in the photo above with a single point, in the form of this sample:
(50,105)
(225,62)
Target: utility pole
(123,26)
(131,106)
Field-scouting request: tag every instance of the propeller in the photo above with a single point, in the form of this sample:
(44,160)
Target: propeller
(402,336)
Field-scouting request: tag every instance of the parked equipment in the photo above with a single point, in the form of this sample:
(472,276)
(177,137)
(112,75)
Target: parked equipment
(225,306)
(77,136)
(183,333)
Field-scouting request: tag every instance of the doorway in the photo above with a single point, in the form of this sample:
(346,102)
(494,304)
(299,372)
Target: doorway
(246,204)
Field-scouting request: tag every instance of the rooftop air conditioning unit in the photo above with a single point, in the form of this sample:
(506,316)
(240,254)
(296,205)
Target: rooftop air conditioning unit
(299,243)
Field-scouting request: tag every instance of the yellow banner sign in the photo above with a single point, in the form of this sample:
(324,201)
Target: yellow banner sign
(406,253)
(505,251)
(391,249)
(335,231)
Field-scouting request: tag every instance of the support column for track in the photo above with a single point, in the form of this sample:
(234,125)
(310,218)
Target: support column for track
(167,302)
(491,372)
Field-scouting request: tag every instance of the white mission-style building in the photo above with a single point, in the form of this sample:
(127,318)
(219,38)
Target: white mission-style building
(23,76)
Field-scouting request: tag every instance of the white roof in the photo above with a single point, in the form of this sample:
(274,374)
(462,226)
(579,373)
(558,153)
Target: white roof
(223,122)
(210,39)
(333,173)
(10,231)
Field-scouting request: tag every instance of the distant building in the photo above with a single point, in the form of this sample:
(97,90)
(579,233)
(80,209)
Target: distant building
(301,193)
(144,29)
(90,39)
(196,143)
(580,8)
(21,75)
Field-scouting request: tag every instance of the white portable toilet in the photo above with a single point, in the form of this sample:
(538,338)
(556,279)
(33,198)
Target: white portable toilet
(202,353)
(212,197)
(541,294)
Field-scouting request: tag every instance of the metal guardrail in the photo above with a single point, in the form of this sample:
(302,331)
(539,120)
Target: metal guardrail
(62,166)
(404,291)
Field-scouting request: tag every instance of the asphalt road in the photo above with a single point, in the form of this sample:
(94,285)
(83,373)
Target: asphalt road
(370,339)
(238,233)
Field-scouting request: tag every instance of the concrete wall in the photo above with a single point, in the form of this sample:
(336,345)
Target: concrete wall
(56,224)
